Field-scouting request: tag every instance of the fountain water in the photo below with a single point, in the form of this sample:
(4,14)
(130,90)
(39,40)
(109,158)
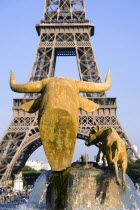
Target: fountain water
(82,188)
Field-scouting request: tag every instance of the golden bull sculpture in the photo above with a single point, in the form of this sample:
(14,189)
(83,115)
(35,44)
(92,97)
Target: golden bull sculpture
(113,149)
(58,113)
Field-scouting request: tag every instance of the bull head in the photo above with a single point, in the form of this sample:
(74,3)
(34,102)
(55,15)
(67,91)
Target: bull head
(58,113)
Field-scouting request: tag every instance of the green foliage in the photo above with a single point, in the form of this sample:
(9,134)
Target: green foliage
(30,175)
(28,169)
(133,171)
(41,171)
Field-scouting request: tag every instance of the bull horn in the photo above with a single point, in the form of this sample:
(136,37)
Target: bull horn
(95,87)
(31,87)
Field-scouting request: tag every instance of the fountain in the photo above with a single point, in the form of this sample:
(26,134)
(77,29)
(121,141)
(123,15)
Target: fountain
(80,185)
(82,188)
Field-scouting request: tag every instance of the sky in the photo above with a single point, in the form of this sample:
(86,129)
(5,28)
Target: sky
(116,45)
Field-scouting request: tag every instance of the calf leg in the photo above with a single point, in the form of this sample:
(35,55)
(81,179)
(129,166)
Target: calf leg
(116,172)
(98,155)
(104,160)
(124,166)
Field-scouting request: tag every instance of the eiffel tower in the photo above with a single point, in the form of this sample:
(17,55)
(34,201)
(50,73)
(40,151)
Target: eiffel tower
(64,31)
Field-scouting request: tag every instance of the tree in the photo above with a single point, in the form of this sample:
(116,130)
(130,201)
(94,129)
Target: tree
(28,169)
(133,171)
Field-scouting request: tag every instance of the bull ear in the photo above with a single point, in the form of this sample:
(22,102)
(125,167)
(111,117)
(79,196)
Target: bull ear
(31,106)
(114,150)
(87,105)
(97,128)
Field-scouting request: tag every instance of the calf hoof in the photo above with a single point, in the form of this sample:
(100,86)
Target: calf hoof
(118,182)
(124,186)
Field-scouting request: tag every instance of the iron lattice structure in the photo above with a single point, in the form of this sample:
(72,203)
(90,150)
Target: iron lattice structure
(64,31)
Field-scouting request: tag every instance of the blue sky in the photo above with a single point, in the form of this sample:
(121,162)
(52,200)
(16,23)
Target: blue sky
(116,45)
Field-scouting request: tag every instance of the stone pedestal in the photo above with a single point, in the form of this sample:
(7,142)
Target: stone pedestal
(18,183)
(84,188)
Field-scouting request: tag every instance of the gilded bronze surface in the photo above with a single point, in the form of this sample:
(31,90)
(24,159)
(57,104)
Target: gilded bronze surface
(113,149)
(58,113)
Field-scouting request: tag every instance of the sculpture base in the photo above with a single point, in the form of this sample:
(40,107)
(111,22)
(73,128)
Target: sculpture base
(83,186)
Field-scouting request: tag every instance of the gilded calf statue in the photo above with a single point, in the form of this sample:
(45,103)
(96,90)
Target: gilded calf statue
(113,149)
(58,113)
